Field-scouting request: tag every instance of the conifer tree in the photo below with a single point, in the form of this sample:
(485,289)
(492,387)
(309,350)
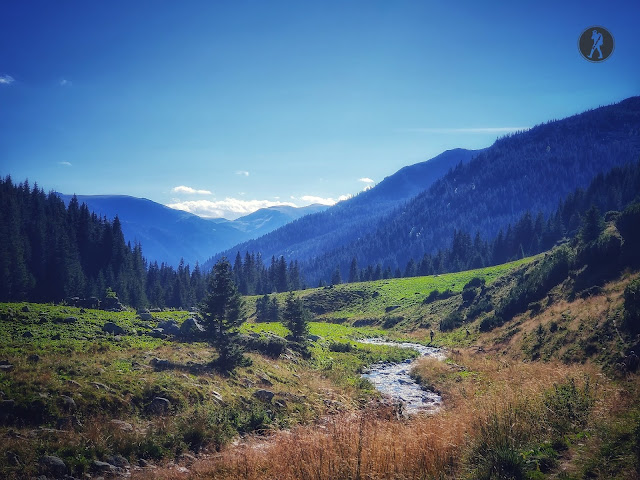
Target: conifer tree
(223,312)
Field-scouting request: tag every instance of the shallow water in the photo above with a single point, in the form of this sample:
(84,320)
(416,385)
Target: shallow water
(393,379)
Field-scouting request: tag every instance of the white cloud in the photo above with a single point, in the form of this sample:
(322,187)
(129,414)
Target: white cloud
(467,130)
(6,80)
(365,180)
(189,190)
(230,208)
(65,83)
(242,173)
(309,199)
(66,164)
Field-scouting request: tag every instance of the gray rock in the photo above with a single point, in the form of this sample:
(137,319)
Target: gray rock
(118,460)
(68,403)
(191,327)
(157,333)
(314,338)
(6,368)
(70,320)
(122,425)
(145,463)
(73,383)
(111,327)
(264,395)
(170,327)
(160,363)
(142,310)
(103,467)
(146,316)
(50,464)
(160,405)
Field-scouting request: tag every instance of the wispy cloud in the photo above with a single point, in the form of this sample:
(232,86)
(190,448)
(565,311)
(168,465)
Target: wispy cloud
(66,164)
(467,130)
(230,208)
(65,83)
(6,80)
(190,191)
(243,173)
(322,200)
(365,180)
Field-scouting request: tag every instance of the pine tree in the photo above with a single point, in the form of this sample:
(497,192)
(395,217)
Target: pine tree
(353,271)
(297,320)
(223,313)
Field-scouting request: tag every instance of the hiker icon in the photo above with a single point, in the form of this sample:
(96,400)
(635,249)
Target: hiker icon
(597,43)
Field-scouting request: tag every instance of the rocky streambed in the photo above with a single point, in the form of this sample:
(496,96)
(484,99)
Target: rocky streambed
(393,379)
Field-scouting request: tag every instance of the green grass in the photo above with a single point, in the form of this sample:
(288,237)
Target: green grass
(371,300)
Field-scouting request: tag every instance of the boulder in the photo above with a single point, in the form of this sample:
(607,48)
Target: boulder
(67,403)
(142,310)
(190,327)
(264,395)
(160,405)
(69,320)
(6,368)
(34,358)
(169,327)
(52,465)
(146,316)
(103,467)
(122,425)
(118,460)
(111,327)
(157,333)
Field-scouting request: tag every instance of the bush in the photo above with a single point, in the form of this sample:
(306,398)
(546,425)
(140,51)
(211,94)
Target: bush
(468,294)
(489,323)
(475,282)
(567,407)
(478,309)
(270,345)
(632,307)
(340,347)
(451,321)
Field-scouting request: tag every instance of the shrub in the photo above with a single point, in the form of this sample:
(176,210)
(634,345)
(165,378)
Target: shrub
(451,321)
(475,282)
(632,307)
(270,345)
(340,347)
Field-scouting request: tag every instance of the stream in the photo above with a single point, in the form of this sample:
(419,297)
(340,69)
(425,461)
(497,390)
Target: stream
(393,379)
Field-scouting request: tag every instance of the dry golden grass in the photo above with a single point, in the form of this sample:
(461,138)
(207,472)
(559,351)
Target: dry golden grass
(372,444)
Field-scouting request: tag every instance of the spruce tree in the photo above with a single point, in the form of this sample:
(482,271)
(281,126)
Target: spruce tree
(296,319)
(223,312)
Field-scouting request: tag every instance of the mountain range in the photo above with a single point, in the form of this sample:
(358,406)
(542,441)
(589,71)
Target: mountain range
(168,235)
(528,171)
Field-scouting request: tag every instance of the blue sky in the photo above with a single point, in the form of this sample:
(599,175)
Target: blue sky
(221,107)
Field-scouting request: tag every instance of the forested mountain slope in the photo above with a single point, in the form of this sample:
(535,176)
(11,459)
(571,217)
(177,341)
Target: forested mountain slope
(350,219)
(528,171)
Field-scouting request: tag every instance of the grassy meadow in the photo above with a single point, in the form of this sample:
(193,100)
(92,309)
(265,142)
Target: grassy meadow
(541,396)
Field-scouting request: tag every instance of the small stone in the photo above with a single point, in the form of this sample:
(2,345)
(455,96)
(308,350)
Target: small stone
(145,463)
(73,383)
(6,368)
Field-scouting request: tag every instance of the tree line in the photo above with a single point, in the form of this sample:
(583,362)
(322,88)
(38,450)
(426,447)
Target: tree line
(49,252)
